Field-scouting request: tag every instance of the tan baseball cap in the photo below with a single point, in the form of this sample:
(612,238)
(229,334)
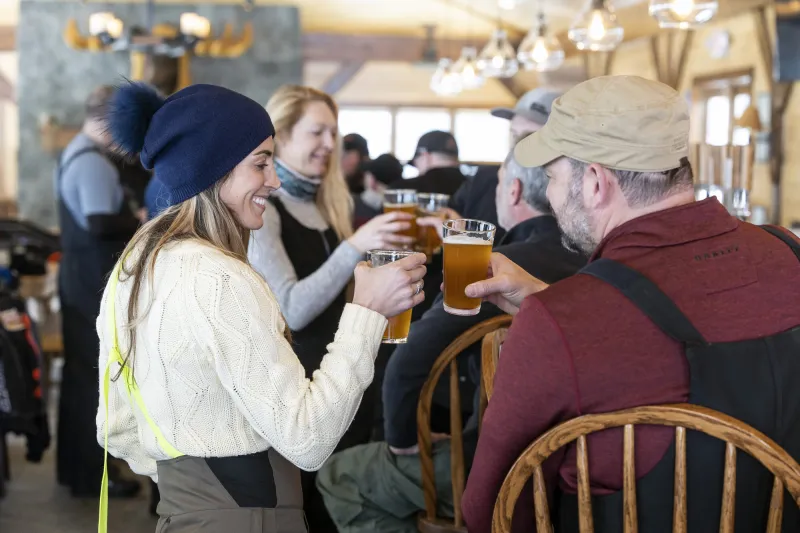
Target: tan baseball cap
(620,122)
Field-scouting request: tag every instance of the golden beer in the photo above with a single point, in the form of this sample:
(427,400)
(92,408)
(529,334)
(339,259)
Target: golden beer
(430,205)
(403,200)
(397,330)
(466,261)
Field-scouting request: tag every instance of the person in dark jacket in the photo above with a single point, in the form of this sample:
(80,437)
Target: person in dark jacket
(474,198)
(378,174)
(436,158)
(355,152)
(377,486)
(97,220)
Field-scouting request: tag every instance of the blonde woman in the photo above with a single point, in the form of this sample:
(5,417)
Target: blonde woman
(205,394)
(306,249)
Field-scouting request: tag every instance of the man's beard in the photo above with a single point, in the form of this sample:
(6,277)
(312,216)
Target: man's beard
(575,223)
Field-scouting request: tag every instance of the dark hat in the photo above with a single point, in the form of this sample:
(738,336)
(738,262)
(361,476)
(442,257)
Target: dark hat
(440,142)
(386,168)
(354,141)
(534,105)
(192,139)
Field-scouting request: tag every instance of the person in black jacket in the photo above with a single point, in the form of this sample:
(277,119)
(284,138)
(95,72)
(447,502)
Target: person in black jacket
(474,199)
(377,486)
(436,158)
(378,174)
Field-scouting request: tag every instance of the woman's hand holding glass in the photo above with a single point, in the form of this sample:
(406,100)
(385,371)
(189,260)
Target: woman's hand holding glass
(390,289)
(382,232)
(436,222)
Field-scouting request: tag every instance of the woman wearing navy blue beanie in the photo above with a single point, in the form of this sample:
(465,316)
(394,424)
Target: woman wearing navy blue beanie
(200,388)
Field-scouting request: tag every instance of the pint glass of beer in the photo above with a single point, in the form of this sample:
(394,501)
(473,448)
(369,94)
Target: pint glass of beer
(404,200)
(397,330)
(430,205)
(467,249)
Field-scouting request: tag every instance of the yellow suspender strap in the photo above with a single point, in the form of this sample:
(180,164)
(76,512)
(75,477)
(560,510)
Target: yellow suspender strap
(133,393)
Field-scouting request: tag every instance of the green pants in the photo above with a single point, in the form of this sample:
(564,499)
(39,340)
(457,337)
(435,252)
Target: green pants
(368,488)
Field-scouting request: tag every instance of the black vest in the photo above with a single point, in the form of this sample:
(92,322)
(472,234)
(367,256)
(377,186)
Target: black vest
(86,259)
(754,381)
(308,249)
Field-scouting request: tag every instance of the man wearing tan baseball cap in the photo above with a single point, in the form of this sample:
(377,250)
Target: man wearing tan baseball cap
(665,273)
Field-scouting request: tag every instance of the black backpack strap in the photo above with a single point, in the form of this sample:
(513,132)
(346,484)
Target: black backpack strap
(791,243)
(645,295)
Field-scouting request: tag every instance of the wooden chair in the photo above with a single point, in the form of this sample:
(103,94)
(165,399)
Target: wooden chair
(680,416)
(429,522)
(490,355)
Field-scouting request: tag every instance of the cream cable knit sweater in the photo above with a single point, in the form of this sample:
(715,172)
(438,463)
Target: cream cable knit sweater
(216,373)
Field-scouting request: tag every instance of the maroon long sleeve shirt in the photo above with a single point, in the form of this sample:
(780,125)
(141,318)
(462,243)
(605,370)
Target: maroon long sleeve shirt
(581,347)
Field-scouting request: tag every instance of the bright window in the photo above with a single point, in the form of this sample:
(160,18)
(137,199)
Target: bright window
(375,125)
(411,124)
(718,120)
(480,136)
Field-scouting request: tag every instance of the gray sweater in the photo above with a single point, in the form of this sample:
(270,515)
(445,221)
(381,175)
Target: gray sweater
(300,300)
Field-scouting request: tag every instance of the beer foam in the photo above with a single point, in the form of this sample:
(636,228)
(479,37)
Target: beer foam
(465,239)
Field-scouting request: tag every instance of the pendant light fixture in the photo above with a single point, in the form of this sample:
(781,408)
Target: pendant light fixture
(445,81)
(596,28)
(683,14)
(467,68)
(538,51)
(498,58)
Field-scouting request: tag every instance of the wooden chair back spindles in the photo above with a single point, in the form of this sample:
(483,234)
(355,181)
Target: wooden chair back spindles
(736,434)
(490,355)
(429,522)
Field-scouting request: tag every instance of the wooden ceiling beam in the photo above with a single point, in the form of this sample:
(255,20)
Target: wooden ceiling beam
(342,76)
(8,38)
(353,48)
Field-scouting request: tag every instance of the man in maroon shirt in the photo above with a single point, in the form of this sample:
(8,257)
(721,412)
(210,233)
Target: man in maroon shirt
(616,153)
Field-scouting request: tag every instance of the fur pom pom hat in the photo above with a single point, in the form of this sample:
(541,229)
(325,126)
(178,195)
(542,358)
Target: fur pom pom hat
(192,139)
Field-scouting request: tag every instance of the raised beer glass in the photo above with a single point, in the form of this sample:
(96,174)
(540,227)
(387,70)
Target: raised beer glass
(404,200)
(430,205)
(397,330)
(467,249)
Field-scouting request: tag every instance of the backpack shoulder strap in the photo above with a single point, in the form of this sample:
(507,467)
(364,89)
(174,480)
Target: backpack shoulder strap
(645,295)
(791,243)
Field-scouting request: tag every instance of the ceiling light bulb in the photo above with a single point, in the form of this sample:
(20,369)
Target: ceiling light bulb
(540,52)
(445,82)
(596,28)
(467,68)
(683,14)
(498,58)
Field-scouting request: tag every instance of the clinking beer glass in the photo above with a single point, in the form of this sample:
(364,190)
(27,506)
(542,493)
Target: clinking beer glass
(397,330)
(467,251)
(404,200)
(430,205)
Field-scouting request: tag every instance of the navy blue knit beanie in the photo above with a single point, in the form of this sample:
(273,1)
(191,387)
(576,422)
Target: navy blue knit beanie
(192,139)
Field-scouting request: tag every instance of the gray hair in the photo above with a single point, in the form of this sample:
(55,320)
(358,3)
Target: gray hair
(534,183)
(645,188)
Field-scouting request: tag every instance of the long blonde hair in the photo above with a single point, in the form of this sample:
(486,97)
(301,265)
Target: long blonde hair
(204,217)
(286,108)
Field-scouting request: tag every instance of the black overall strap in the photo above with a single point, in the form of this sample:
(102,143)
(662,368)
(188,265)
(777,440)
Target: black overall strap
(64,164)
(785,238)
(645,295)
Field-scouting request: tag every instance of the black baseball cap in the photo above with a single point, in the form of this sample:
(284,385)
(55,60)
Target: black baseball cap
(354,141)
(386,168)
(441,142)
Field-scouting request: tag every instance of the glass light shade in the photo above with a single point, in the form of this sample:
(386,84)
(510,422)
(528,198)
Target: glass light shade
(99,22)
(114,28)
(195,25)
(683,14)
(540,53)
(596,29)
(467,68)
(498,58)
(446,82)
